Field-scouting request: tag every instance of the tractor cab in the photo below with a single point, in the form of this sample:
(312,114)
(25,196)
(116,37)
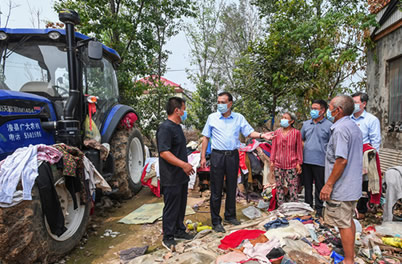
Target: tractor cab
(34,61)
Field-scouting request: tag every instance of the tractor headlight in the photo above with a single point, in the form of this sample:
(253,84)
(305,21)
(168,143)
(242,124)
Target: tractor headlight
(3,35)
(54,35)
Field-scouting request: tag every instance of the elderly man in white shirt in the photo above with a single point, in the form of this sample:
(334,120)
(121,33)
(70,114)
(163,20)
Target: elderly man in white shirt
(371,131)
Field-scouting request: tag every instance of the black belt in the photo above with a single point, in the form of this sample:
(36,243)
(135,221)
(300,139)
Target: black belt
(226,152)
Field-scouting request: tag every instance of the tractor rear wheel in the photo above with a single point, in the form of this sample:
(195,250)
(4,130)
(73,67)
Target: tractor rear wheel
(25,236)
(127,148)
(76,221)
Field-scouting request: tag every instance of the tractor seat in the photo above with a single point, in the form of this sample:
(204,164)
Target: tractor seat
(39,87)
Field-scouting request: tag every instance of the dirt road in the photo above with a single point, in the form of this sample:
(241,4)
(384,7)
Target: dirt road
(104,249)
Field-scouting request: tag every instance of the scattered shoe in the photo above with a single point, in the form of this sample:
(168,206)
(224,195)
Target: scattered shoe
(318,214)
(169,244)
(233,221)
(219,228)
(183,235)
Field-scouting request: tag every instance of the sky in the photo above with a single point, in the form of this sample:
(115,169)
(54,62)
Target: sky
(21,18)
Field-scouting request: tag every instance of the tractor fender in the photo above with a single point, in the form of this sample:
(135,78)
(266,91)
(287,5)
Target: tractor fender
(113,119)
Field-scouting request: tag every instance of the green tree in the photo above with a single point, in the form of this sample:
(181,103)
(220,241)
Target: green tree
(309,51)
(151,105)
(240,25)
(218,36)
(205,45)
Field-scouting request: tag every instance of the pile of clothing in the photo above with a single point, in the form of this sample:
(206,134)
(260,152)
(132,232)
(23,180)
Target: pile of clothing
(254,161)
(275,238)
(291,234)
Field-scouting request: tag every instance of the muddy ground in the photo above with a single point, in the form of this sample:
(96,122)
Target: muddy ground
(97,248)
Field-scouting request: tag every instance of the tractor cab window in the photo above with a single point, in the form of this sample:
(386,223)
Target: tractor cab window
(34,67)
(99,79)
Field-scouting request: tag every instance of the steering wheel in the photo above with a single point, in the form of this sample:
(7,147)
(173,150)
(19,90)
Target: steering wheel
(62,91)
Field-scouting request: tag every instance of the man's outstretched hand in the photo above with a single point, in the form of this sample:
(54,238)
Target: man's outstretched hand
(268,135)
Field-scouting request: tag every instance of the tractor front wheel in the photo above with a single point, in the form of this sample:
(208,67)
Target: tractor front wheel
(127,148)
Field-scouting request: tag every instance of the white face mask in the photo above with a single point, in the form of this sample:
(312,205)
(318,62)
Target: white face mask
(357,108)
(222,108)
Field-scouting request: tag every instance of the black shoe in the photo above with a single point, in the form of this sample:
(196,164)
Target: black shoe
(318,214)
(183,235)
(169,244)
(233,221)
(219,228)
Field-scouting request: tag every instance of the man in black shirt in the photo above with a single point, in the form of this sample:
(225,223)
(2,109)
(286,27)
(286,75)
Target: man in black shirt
(174,170)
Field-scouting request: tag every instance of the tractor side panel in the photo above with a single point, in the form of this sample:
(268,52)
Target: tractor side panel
(20,124)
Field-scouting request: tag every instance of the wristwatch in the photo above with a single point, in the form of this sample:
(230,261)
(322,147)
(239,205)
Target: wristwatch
(260,135)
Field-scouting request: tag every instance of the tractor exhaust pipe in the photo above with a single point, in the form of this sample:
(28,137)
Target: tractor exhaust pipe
(68,129)
(71,18)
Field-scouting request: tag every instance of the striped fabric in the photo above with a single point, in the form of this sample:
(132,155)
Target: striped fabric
(287,150)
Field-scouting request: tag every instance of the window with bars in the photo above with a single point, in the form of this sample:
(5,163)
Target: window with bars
(395,89)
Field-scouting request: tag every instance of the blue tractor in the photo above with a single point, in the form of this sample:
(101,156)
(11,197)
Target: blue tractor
(50,81)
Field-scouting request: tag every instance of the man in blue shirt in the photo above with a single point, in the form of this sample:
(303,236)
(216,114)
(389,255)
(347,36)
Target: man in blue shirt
(343,164)
(315,135)
(371,131)
(224,127)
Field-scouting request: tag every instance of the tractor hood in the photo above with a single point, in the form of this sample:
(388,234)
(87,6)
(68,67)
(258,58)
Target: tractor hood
(19,103)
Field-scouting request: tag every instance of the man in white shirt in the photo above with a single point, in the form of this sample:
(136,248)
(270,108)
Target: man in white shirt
(371,131)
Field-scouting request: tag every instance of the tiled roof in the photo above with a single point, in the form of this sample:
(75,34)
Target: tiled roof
(375,6)
(148,80)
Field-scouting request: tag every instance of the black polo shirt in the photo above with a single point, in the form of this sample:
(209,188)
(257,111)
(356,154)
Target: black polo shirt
(170,137)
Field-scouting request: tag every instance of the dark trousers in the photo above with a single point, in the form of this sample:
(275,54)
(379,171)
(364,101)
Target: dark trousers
(223,163)
(362,202)
(175,198)
(313,173)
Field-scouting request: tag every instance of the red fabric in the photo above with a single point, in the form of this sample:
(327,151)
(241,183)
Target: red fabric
(242,160)
(128,120)
(370,229)
(375,198)
(322,249)
(235,238)
(247,260)
(250,147)
(266,147)
(287,150)
(272,202)
(91,110)
(204,169)
(154,190)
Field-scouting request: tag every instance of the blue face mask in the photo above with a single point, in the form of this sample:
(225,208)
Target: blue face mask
(284,123)
(184,116)
(314,113)
(222,108)
(357,108)
(329,115)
